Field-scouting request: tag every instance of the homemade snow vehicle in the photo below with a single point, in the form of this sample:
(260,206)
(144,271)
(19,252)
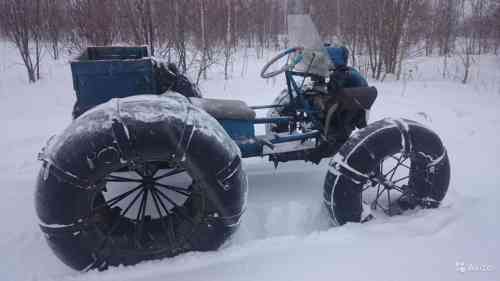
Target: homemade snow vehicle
(148,169)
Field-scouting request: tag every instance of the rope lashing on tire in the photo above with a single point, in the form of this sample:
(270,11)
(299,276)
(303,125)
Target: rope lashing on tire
(64,230)
(343,169)
(225,175)
(184,142)
(122,137)
(406,144)
(122,140)
(234,220)
(435,161)
(50,167)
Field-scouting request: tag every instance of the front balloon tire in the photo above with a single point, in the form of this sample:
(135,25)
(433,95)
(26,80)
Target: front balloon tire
(385,169)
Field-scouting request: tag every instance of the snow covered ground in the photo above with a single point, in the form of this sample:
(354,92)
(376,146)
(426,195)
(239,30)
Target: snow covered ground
(285,233)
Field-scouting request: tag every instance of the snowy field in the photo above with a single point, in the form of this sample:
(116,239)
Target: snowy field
(285,234)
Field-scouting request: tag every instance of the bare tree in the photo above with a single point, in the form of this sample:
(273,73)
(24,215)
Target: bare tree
(495,23)
(56,24)
(21,22)
(136,20)
(471,34)
(447,20)
(204,47)
(95,20)
(181,34)
(228,44)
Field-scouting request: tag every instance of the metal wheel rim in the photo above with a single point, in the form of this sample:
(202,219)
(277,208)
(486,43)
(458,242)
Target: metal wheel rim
(389,186)
(169,220)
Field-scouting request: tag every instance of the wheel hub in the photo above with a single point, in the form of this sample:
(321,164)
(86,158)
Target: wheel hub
(387,181)
(149,182)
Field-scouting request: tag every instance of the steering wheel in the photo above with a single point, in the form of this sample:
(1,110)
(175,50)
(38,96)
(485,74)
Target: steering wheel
(264,74)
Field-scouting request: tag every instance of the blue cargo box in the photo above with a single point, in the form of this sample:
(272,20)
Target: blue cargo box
(103,73)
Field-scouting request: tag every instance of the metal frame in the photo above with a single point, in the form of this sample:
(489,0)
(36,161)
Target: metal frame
(252,147)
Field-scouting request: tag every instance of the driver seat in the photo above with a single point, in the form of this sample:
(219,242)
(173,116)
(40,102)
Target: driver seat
(225,109)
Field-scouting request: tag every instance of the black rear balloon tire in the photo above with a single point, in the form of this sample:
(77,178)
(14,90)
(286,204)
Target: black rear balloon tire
(130,134)
(357,165)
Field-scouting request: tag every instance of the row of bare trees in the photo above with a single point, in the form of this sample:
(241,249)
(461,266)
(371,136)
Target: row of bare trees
(192,33)
(390,31)
(196,34)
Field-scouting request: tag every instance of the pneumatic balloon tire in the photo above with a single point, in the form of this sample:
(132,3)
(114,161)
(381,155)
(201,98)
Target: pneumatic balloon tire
(137,179)
(385,169)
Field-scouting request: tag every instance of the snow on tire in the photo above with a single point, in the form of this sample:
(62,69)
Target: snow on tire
(385,169)
(139,178)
